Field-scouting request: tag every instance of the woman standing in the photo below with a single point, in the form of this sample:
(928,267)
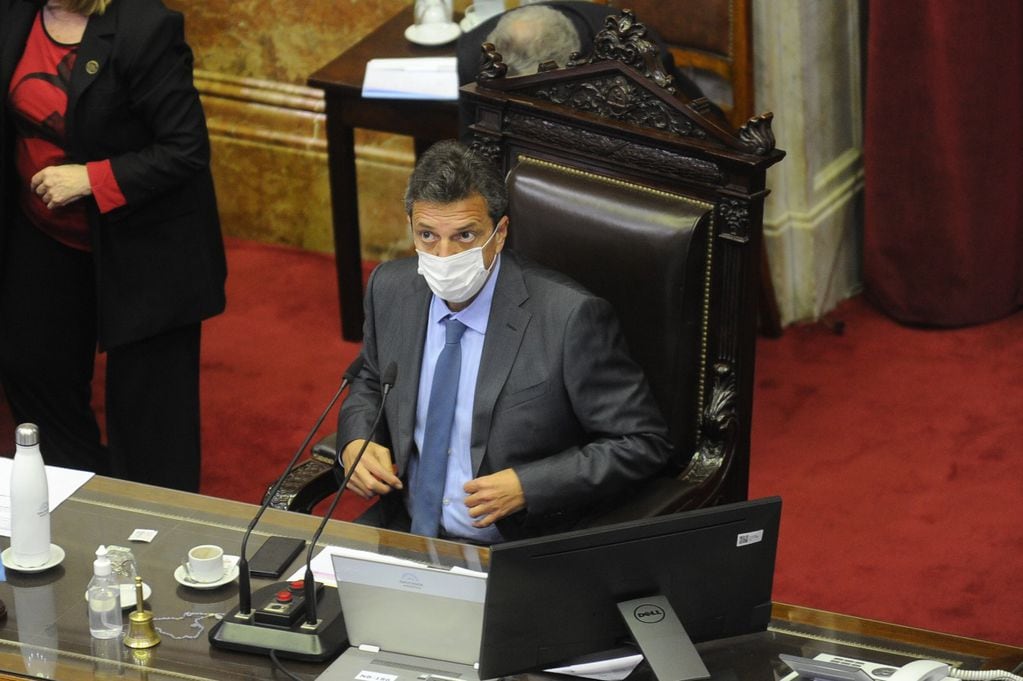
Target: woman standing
(109,233)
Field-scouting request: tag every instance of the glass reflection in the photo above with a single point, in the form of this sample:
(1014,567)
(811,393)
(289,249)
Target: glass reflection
(37,629)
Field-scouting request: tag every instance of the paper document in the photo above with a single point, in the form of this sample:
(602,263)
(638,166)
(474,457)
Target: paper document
(61,483)
(323,566)
(423,78)
(609,666)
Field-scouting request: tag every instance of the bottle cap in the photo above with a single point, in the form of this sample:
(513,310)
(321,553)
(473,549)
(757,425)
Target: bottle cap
(27,435)
(101,566)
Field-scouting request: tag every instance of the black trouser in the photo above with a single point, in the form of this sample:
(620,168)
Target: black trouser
(47,352)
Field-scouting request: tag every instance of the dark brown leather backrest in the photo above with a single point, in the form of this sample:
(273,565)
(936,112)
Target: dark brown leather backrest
(641,249)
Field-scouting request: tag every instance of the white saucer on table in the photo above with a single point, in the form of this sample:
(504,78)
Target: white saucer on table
(55,559)
(181,575)
(433,34)
(128,594)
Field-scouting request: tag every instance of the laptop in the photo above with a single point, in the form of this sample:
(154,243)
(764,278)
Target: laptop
(407,621)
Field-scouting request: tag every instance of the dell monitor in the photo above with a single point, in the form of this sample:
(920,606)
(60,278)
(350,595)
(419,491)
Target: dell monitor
(661,582)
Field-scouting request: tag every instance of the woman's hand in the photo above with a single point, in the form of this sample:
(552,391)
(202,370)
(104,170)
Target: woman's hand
(60,185)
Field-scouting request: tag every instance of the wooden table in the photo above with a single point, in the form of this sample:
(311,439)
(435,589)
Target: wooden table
(46,631)
(427,121)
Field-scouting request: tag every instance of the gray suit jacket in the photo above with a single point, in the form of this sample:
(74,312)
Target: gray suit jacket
(558,398)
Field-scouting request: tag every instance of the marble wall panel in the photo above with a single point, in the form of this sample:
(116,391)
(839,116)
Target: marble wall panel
(808,70)
(278,41)
(267,127)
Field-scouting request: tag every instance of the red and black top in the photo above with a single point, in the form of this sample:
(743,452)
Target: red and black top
(38,99)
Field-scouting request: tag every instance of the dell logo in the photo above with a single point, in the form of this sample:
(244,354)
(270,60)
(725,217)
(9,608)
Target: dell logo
(648,613)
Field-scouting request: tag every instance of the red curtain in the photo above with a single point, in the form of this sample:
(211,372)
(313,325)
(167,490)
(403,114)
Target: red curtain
(943,237)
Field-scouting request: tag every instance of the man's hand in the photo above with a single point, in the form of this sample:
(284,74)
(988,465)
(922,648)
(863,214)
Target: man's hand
(493,497)
(60,185)
(375,473)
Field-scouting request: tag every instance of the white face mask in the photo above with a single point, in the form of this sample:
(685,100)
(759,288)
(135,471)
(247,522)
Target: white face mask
(456,278)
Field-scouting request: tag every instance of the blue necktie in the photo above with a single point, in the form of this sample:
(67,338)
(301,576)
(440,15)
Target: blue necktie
(440,417)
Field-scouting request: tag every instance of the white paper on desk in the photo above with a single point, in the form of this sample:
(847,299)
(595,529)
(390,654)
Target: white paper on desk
(422,78)
(323,566)
(613,668)
(61,483)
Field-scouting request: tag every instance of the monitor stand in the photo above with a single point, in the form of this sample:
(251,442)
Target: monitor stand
(662,639)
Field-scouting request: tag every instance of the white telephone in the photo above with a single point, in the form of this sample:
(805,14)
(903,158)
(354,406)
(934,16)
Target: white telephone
(826,667)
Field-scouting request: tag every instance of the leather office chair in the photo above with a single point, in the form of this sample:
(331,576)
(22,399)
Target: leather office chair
(637,194)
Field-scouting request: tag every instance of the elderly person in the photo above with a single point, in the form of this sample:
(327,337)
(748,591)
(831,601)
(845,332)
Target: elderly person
(528,36)
(110,235)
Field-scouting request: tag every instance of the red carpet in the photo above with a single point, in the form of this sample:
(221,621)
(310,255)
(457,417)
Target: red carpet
(270,365)
(897,453)
(896,450)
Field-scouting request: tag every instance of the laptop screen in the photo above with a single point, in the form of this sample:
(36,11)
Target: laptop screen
(411,608)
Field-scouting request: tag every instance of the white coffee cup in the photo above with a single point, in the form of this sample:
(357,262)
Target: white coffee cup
(428,12)
(205,563)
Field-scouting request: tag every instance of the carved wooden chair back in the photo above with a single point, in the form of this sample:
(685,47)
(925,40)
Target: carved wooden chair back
(711,42)
(613,117)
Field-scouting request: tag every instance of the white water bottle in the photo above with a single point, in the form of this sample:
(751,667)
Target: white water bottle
(104,596)
(30,501)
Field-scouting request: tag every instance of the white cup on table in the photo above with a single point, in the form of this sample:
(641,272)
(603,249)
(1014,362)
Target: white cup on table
(433,12)
(205,563)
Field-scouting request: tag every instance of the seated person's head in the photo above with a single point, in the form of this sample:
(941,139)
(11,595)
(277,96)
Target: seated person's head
(456,202)
(450,172)
(530,36)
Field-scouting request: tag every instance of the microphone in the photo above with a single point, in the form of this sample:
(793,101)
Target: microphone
(244,583)
(229,636)
(390,375)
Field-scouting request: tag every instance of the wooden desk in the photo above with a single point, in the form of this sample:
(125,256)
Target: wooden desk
(47,628)
(427,121)
(46,631)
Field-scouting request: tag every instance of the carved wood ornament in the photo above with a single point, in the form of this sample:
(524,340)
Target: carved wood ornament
(622,96)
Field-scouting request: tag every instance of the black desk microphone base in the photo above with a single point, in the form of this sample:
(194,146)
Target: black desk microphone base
(281,626)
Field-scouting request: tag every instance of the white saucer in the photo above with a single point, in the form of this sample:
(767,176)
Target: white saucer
(230,574)
(128,594)
(433,34)
(469,22)
(56,558)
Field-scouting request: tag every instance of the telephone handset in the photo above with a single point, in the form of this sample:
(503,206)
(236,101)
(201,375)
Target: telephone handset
(923,670)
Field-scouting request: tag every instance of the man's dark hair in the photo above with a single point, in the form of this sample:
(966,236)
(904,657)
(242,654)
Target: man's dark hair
(449,171)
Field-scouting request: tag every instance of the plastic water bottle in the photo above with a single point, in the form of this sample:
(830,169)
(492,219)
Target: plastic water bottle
(104,597)
(30,500)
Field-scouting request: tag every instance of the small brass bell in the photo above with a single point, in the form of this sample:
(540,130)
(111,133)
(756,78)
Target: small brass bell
(141,630)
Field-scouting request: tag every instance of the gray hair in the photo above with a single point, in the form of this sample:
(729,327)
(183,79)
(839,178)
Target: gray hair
(530,36)
(449,171)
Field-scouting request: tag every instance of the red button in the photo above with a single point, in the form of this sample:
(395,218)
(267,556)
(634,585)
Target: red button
(284,596)
(297,585)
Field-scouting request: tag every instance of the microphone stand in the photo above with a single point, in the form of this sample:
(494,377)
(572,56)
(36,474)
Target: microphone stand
(310,585)
(238,630)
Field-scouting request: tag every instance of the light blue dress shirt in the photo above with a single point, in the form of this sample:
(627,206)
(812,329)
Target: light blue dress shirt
(455,519)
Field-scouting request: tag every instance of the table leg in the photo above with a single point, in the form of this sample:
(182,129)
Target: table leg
(345,211)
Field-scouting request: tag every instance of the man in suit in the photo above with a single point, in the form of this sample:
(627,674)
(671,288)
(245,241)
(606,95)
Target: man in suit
(586,18)
(551,415)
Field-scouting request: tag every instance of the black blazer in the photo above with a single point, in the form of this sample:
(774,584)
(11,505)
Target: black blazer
(159,259)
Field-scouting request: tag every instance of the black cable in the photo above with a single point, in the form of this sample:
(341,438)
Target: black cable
(281,668)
